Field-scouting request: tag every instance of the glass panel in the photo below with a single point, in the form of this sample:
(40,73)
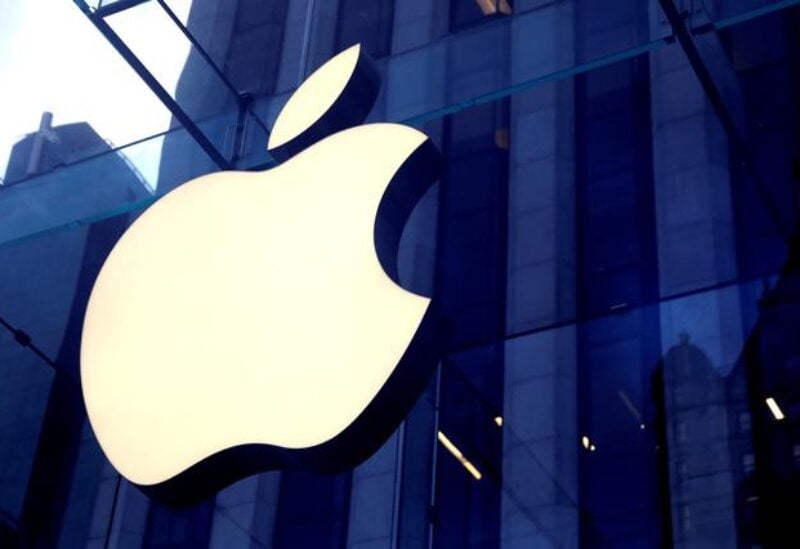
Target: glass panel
(512,489)
(23,401)
(622,363)
(162,48)
(194,83)
(251,149)
(72,195)
(487,62)
(75,75)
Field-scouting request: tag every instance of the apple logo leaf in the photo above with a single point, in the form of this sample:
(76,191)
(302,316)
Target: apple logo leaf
(336,96)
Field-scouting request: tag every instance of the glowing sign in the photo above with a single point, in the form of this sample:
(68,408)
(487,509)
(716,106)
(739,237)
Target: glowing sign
(254,320)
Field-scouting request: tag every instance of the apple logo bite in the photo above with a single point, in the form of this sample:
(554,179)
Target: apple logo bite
(249,321)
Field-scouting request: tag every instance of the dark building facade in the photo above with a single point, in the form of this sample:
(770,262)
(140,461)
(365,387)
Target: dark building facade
(612,240)
(44,447)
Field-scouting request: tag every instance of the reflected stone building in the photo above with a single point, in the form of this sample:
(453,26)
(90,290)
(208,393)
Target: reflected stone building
(695,440)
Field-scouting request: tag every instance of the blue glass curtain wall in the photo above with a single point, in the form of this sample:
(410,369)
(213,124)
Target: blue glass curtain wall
(619,275)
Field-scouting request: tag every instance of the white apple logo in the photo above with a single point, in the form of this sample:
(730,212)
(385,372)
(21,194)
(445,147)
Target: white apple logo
(247,321)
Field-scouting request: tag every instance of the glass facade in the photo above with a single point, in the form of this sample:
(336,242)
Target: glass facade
(613,242)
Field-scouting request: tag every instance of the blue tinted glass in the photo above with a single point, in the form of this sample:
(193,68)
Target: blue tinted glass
(366,22)
(611,241)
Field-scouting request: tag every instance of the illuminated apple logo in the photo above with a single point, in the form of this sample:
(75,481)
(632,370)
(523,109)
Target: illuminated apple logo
(254,320)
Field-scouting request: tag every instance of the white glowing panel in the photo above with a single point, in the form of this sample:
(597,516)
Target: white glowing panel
(288,324)
(249,307)
(314,97)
